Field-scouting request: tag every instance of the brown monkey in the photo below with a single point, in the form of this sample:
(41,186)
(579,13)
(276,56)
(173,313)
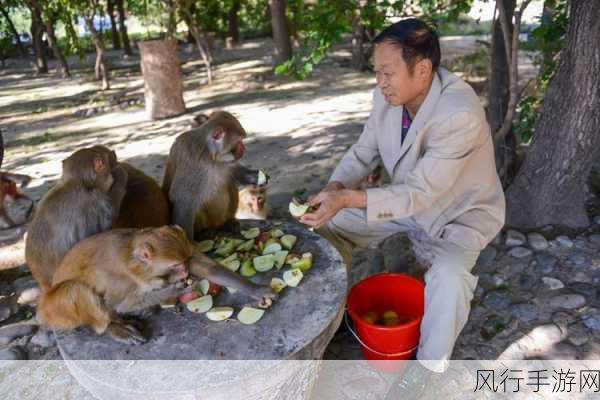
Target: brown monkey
(201,175)
(85,201)
(9,191)
(252,203)
(144,204)
(124,271)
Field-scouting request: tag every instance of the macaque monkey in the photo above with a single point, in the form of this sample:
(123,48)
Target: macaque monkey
(144,204)
(85,201)
(9,191)
(252,203)
(127,270)
(201,174)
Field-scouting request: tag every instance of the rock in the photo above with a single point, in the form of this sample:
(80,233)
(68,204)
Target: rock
(586,289)
(29,296)
(578,259)
(8,333)
(524,311)
(23,283)
(552,283)
(545,263)
(6,310)
(43,338)
(568,301)
(486,352)
(490,282)
(14,353)
(498,239)
(526,282)
(597,219)
(514,238)
(580,244)
(123,105)
(561,351)
(520,252)
(547,228)
(591,319)
(581,277)
(564,241)
(497,299)
(90,112)
(562,318)
(537,241)
(595,238)
(487,256)
(578,334)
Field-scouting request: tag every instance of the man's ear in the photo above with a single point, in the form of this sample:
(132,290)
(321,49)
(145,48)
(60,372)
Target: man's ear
(424,68)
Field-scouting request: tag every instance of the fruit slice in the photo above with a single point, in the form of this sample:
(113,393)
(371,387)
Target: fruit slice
(305,263)
(263,178)
(292,258)
(187,297)
(219,313)
(280,257)
(298,210)
(264,263)
(251,233)
(247,269)
(233,265)
(250,315)
(263,237)
(236,242)
(204,285)
(207,287)
(232,257)
(246,246)
(276,233)
(205,246)
(226,249)
(292,277)
(288,241)
(272,248)
(277,284)
(200,305)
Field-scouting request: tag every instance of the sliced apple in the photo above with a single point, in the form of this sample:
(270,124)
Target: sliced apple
(288,241)
(277,284)
(298,210)
(233,265)
(280,257)
(292,258)
(205,246)
(200,305)
(226,249)
(264,263)
(305,263)
(250,315)
(271,248)
(292,277)
(219,313)
(231,257)
(204,285)
(187,297)
(276,233)
(263,178)
(247,269)
(236,242)
(246,246)
(251,233)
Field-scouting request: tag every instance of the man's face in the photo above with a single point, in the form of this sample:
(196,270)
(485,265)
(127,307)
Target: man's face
(397,83)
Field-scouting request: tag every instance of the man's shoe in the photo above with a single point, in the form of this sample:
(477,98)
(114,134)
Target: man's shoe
(411,384)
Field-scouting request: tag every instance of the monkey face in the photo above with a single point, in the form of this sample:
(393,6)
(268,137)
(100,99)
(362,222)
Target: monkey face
(91,165)
(164,250)
(226,142)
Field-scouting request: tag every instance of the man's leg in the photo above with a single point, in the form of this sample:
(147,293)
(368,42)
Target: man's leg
(449,287)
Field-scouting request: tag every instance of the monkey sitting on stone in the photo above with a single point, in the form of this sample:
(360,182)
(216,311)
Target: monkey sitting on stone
(9,191)
(85,201)
(201,174)
(252,203)
(124,271)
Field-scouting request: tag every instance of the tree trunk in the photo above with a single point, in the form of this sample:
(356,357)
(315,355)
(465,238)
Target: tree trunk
(114,33)
(281,35)
(233,22)
(41,65)
(163,84)
(204,53)
(123,27)
(171,19)
(550,185)
(13,30)
(100,68)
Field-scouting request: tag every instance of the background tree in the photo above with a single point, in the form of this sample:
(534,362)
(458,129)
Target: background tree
(123,27)
(37,30)
(5,6)
(114,32)
(281,32)
(88,9)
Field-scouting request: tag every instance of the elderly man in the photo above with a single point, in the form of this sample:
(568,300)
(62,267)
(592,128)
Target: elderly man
(429,130)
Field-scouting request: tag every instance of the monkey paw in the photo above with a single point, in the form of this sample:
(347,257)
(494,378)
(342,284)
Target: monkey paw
(125,333)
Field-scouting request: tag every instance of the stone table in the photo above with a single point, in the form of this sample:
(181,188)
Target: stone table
(298,327)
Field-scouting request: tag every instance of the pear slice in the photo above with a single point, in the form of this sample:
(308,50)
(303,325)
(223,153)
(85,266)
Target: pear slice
(231,257)
(236,242)
(298,210)
(201,304)
(233,265)
(264,263)
(280,257)
(305,263)
(205,246)
(246,246)
(263,178)
(250,315)
(251,233)
(277,284)
(219,313)
(204,285)
(288,241)
(226,249)
(247,269)
(292,277)
(292,258)
(276,233)
(272,248)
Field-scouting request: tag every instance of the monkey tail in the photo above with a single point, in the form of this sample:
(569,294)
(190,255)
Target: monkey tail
(72,304)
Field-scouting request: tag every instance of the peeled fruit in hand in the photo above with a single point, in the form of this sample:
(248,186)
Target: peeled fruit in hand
(200,305)
(247,269)
(288,241)
(298,210)
(251,233)
(277,284)
(205,246)
(187,297)
(264,263)
(219,313)
(250,315)
(370,317)
(292,277)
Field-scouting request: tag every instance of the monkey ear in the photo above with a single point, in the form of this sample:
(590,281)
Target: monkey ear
(200,119)
(144,252)
(218,133)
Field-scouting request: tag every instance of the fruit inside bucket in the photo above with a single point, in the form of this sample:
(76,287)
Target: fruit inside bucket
(387,310)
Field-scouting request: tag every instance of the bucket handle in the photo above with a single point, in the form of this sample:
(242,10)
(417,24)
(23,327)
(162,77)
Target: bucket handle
(350,328)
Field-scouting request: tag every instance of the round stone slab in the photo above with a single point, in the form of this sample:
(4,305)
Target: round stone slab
(298,326)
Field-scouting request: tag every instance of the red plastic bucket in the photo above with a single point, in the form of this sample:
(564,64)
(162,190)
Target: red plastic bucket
(379,293)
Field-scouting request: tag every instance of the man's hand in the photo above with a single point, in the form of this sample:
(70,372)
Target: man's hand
(331,200)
